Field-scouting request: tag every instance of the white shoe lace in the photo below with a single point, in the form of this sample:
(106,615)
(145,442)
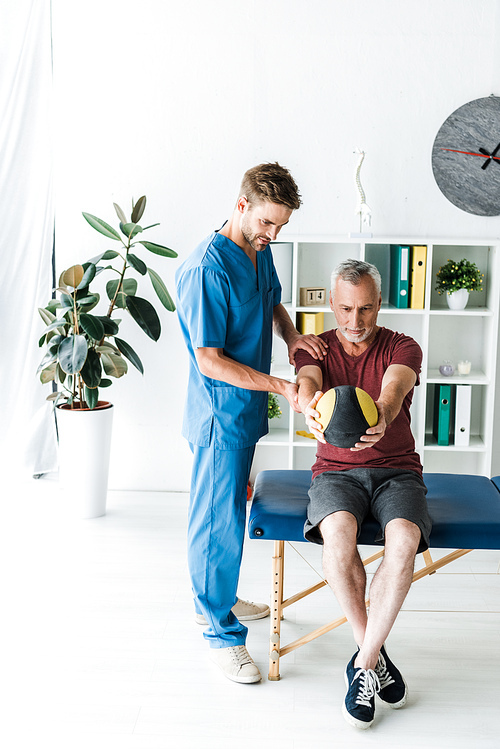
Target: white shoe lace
(243,603)
(370,684)
(240,655)
(383,674)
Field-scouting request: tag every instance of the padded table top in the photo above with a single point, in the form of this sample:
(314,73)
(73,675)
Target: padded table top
(465,509)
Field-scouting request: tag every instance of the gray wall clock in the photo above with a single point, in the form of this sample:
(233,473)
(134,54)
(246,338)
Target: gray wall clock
(466,157)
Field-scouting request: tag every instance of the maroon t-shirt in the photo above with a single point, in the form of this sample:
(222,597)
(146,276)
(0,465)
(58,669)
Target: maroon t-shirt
(396,449)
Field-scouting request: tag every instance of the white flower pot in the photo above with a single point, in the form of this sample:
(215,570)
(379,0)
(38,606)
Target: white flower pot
(457,299)
(84,448)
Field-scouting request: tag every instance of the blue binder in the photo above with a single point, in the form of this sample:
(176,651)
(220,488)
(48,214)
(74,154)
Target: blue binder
(400,273)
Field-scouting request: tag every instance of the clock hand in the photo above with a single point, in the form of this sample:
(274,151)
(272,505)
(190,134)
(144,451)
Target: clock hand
(484,155)
(490,155)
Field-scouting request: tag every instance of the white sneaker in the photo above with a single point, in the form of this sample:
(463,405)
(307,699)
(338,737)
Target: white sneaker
(244,611)
(236,663)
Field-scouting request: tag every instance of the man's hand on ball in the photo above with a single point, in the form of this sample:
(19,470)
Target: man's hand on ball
(373,434)
(311,415)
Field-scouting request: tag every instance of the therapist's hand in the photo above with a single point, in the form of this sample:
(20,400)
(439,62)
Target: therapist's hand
(314,346)
(291,393)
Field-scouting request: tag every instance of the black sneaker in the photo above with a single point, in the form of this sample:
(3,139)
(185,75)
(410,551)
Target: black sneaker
(393,688)
(359,704)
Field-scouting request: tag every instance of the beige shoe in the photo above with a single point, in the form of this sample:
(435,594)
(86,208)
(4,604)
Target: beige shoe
(236,663)
(244,611)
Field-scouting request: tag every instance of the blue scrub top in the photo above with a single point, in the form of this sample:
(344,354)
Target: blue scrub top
(223,303)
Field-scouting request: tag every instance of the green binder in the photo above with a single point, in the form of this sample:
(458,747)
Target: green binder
(400,273)
(442,414)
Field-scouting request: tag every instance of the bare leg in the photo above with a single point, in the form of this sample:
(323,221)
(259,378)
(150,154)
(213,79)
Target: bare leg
(346,575)
(389,587)
(344,569)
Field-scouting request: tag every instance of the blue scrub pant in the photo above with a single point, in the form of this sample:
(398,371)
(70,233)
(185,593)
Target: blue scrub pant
(216,528)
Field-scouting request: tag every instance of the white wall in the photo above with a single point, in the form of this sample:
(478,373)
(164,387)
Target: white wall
(177,99)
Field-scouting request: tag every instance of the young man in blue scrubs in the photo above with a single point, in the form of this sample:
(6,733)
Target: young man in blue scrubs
(228,302)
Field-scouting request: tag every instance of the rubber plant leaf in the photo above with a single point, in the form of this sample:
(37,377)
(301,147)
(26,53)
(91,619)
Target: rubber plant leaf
(138,264)
(145,316)
(161,290)
(92,370)
(49,358)
(129,286)
(53,397)
(130,230)
(66,301)
(55,325)
(113,364)
(53,305)
(108,255)
(120,213)
(92,326)
(106,346)
(101,226)
(54,341)
(111,291)
(110,326)
(91,397)
(129,352)
(88,276)
(73,276)
(60,375)
(46,315)
(138,210)
(111,288)
(48,374)
(89,302)
(158,249)
(72,353)
(61,285)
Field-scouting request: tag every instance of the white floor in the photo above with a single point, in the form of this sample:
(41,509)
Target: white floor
(101,649)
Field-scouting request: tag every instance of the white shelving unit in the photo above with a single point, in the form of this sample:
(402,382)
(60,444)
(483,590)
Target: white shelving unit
(442,333)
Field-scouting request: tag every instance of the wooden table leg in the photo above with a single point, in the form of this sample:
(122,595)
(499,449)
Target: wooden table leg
(276,610)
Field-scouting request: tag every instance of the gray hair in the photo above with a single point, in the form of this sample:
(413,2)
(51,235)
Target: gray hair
(352,271)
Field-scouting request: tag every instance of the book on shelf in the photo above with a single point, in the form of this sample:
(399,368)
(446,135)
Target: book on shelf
(442,413)
(418,259)
(400,272)
(463,399)
(310,322)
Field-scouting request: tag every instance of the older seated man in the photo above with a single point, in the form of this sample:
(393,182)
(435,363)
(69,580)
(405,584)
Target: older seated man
(382,474)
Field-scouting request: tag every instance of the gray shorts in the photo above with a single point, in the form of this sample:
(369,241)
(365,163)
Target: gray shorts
(386,493)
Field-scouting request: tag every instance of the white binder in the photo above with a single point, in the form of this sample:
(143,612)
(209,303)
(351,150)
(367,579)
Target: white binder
(462,415)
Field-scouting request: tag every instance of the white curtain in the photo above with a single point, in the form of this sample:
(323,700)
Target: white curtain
(27,434)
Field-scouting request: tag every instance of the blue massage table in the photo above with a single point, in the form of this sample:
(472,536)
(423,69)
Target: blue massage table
(465,512)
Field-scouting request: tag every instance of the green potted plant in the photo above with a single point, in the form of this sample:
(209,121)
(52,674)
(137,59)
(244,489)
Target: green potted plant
(84,350)
(273,406)
(457,280)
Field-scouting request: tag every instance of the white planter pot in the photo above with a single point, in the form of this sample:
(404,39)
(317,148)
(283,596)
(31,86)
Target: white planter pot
(84,448)
(457,299)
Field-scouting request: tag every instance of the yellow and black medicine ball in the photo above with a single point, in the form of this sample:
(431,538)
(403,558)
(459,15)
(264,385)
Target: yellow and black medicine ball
(346,412)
